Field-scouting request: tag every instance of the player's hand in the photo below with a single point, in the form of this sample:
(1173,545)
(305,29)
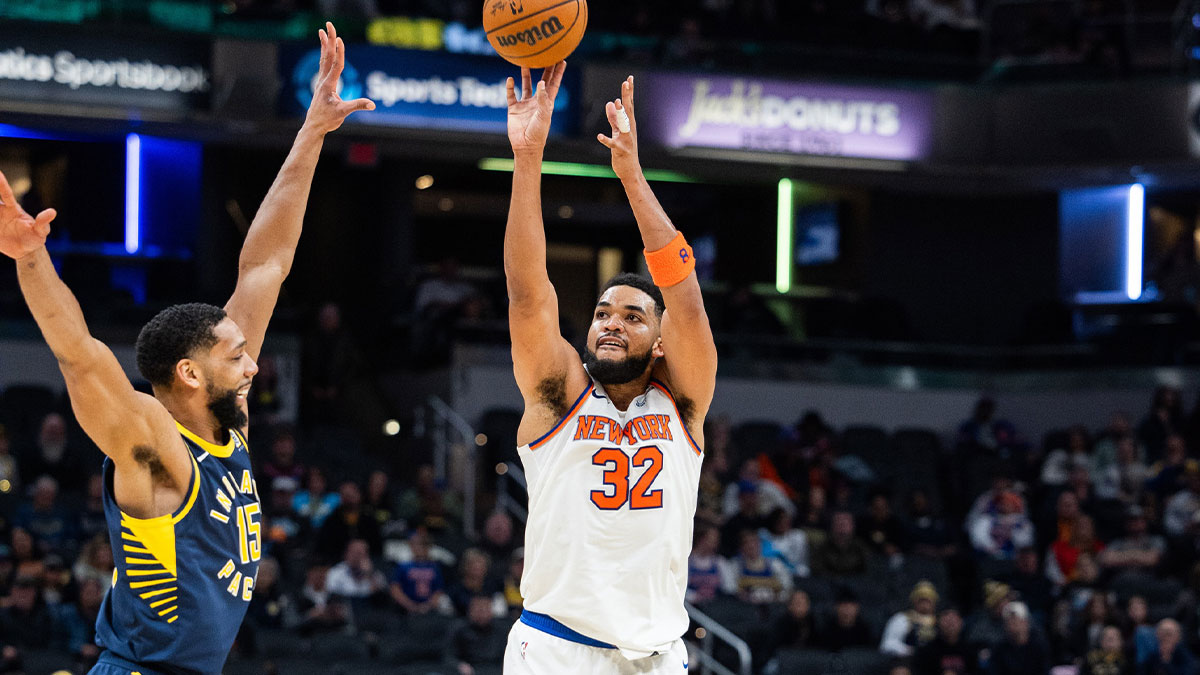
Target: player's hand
(529,116)
(327,110)
(20,233)
(623,144)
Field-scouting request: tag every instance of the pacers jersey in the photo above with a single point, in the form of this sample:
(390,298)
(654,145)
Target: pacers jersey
(612,496)
(183,581)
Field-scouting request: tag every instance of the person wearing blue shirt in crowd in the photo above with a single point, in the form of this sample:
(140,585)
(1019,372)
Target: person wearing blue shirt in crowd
(52,526)
(417,585)
(1172,656)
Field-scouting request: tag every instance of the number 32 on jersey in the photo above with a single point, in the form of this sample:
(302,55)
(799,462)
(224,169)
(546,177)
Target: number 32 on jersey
(618,470)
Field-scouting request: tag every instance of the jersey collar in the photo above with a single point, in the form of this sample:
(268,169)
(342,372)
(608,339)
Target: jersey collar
(222,451)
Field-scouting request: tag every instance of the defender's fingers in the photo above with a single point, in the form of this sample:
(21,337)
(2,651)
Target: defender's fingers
(526,84)
(606,141)
(511,90)
(42,223)
(6,192)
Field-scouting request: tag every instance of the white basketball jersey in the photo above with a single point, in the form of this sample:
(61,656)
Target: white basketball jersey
(612,496)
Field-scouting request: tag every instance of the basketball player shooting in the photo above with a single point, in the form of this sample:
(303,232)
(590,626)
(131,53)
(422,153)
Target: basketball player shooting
(182,507)
(611,443)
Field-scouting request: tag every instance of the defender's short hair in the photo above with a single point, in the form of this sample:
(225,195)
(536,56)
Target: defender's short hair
(174,334)
(642,284)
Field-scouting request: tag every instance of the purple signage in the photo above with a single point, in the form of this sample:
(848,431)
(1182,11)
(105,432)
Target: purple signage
(747,113)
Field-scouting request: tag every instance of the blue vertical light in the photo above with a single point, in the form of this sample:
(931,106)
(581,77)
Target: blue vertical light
(1134,239)
(133,193)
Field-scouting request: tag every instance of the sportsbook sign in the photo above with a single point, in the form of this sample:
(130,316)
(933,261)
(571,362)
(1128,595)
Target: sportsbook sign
(760,115)
(84,69)
(418,89)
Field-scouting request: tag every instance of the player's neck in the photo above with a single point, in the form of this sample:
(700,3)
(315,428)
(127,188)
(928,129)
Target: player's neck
(194,416)
(622,395)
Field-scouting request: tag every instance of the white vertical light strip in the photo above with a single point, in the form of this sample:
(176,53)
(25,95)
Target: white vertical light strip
(784,237)
(1134,239)
(133,193)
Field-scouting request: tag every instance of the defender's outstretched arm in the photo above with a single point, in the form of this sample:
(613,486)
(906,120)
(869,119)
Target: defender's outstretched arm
(270,245)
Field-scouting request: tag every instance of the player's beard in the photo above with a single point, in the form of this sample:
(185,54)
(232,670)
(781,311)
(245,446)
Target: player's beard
(606,371)
(224,406)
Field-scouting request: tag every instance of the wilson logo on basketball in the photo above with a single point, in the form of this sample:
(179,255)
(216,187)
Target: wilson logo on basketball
(532,35)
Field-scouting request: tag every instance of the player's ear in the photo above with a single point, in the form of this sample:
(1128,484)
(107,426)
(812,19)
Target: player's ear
(657,351)
(187,371)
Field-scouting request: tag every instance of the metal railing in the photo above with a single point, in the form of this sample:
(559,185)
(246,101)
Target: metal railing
(510,473)
(453,441)
(714,631)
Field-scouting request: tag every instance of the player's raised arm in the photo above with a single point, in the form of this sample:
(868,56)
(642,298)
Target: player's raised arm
(119,419)
(270,245)
(687,337)
(540,354)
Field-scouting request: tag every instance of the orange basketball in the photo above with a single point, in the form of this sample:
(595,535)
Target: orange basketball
(535,33)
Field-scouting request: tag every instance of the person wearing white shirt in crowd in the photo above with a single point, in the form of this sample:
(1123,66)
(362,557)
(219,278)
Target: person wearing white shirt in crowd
(770,495)
(915,627)
(1183,505)
(1125,477)
(1000,535)
(355,577)
(782,541)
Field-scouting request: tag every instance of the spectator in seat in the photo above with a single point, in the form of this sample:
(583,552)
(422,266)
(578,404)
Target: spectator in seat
(998,536)
(1169,475)
(706,567)
(330,359)
(1059,462)
(754,578)
(927,531)
(282,462)
(843,554)
(1138,549)
(381,505)
(54,455)
(1137,631)
(75,624)
(270,608)
(789,544)
(320,610)
(1064,556)
(948,653)
(985,430)
(747,517)
(1061,527)
(95,563)
(768,494)
(881,528)
(27,559)
(1027,580)
(847,630)
(1172,656)
(348,521)
(1184,505)
(908,631)
(499,539)
(91,517)
(476,641)
(1023,651)
(475,579)
(1124,479)
(315,502)
(52,525)
(796,628)
(1087,627)
(25,620)
(355,577)
(1164,420)
(417,585)
(985,626)
(815,520)
(988,503)
(427,503)
(1109,658)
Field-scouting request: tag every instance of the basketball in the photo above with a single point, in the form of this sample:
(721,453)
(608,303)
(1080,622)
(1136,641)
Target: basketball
(535,33)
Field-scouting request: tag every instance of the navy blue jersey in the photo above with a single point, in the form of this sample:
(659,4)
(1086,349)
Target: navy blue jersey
(183,581)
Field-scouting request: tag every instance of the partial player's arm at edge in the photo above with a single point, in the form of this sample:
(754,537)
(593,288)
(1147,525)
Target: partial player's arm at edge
(113,414)
(270,247)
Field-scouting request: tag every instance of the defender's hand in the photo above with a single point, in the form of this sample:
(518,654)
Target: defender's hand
(20,233)
(327,110)
(622,143)
(529,117)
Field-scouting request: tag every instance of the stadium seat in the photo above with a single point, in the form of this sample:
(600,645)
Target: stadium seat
(22,407)
(758,437)
(871,445)
(808,662)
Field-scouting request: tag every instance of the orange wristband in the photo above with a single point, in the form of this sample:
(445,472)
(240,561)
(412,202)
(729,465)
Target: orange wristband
(671,264)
